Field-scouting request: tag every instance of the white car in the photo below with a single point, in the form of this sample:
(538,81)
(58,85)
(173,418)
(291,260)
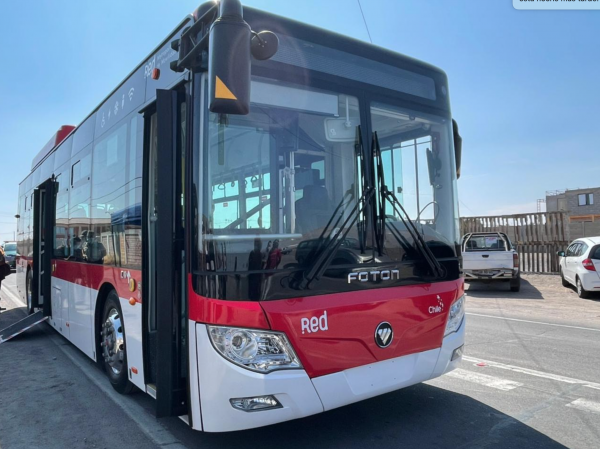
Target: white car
(580,265)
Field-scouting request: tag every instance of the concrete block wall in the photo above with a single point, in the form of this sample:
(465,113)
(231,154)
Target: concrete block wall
(569,203)
(578,229)
(574,207)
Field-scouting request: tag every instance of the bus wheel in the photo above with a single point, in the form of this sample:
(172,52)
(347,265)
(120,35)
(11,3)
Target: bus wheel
(28,281)
(112,343)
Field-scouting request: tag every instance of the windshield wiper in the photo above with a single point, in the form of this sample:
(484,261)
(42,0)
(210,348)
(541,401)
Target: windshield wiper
(335,239)
(386,194)
(360,153)
(328,246)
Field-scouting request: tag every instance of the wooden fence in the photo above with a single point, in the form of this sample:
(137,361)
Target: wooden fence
(536,236)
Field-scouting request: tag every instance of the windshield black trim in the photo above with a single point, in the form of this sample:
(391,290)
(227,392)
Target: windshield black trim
(332,267)
(233,286)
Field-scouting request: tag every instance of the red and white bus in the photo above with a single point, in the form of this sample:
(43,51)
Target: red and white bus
(260,223)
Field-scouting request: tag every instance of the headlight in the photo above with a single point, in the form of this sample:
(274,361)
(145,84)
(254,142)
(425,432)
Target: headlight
(261,351)
(456,315)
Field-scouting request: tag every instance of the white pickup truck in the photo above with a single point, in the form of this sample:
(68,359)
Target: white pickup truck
(490,256)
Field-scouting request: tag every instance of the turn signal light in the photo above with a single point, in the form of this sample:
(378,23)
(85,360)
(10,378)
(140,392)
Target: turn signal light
(588,264)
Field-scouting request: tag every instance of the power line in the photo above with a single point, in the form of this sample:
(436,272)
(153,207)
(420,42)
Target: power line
(468,208)
(364,20)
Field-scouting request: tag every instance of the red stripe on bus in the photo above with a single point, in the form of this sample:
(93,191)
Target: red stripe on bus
(95,275)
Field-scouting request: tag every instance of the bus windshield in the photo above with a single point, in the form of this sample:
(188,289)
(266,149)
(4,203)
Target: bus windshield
(279,183)
(273,178)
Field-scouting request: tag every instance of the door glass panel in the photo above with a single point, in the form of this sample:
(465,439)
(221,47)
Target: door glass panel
(152,196)
(79,206)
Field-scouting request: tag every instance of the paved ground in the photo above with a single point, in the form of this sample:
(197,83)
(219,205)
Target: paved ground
(530,379)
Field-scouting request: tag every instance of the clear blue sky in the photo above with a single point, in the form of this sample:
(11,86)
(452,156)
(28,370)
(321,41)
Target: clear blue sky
(524,85)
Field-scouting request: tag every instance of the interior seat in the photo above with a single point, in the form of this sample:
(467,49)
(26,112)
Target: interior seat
(313,210)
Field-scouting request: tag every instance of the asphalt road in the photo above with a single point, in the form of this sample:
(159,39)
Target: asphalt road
(530,379)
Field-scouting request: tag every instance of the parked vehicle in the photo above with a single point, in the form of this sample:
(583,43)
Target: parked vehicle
(490,256)
(579,265)
(10,253)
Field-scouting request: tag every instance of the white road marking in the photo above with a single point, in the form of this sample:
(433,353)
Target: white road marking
(584,404)
(153,429)
(484,379)
(531,372)
(534,322)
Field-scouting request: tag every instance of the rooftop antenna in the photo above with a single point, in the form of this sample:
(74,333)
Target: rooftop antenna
(364,20)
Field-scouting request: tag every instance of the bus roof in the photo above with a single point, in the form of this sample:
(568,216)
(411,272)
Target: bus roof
(260,20)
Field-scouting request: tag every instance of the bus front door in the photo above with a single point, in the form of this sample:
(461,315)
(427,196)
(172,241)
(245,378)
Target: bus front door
(43,236)
(165,313)
(39,282)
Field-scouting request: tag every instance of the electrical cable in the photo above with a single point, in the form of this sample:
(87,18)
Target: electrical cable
(364,20)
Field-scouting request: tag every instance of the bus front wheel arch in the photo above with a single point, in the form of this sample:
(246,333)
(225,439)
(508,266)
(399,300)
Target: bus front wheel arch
(99,309)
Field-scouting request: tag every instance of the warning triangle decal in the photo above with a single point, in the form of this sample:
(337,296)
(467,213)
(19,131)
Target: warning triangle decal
(222,91)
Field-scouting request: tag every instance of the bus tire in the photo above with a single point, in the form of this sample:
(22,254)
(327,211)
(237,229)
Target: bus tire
(112,345)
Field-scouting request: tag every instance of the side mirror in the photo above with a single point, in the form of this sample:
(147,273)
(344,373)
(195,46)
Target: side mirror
(229,61)
(457,147)
(264,45)
(560,254)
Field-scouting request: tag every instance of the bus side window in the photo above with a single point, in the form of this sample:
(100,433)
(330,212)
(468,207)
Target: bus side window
(79,205)
(61,240)
(131,231)
(109,191)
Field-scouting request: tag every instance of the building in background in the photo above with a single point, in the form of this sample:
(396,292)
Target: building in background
(582,207)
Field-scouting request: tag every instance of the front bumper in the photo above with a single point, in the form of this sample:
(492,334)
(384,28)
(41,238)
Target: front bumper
(300,396)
